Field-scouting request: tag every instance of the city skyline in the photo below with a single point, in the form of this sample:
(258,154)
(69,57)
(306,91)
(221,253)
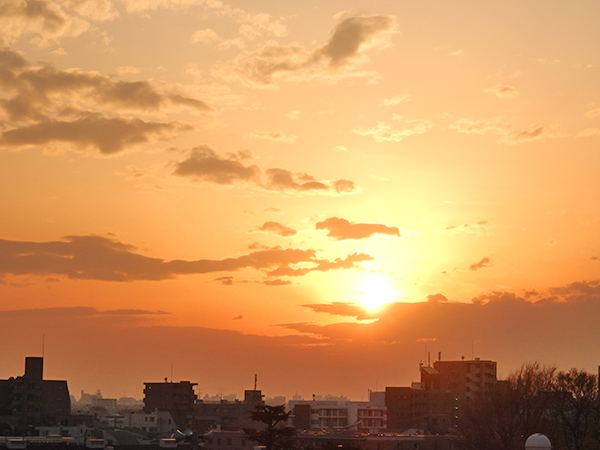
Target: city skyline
(320,194)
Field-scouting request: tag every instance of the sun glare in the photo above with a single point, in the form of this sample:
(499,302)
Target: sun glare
(376,292)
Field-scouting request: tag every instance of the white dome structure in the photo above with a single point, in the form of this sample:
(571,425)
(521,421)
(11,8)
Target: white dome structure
(537,441)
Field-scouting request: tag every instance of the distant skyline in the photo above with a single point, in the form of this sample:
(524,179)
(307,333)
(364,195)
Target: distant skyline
(320,192)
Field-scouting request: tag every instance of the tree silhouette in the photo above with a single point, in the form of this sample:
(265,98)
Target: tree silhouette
(273,433)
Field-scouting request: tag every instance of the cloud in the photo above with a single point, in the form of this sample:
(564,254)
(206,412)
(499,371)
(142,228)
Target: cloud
(43,91)
(46,20)
(453,324)
(336,59)
(480,229)
(350,262)
(101,258)
(485,262)
(108,135)
(204,164)
(592,113)
(278,136)
(294,114)
(341,309)
(516,137)
(502,91)
(44,105)
(469,126)
(589,132)
(205,36)
(225,281)
(436,298)
(578,291)
(73,312)
(341,229)
(396,100)
(277,228)
(277,282)
(508,134)
(384,132)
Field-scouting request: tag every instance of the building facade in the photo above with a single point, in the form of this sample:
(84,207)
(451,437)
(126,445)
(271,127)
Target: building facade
(176,398)
(31,400)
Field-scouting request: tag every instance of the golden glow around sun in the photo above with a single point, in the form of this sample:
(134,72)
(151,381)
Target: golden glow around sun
(376,292)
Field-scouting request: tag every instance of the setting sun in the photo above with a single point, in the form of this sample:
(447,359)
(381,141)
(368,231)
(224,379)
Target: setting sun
(376,292)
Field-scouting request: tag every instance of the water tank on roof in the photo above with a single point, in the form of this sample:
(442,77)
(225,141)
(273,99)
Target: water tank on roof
(537,441)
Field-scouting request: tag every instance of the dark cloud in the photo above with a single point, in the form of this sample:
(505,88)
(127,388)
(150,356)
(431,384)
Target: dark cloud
(277,282)
(204,164)
(349,39)
(341,229)
(46,91)
(277,228)
(76,312)
(485,262)
(504,327)
(435,298)
(350,262)
(341,309)
(45,19)
(577,291)
(225,281)
(550,319)
(282,179)
(516,137)
(39,104)
(351,34)
(109,135)
(101,258)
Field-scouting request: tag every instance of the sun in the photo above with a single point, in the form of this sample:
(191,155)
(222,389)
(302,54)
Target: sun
(376,292)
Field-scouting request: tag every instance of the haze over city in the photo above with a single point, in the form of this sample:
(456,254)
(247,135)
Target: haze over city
(321,193)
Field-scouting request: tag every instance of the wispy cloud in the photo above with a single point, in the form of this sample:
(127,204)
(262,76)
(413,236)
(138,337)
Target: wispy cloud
(383,132)
(278,136)
(502,91)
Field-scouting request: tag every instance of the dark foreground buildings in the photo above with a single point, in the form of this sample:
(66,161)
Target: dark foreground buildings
(30,400)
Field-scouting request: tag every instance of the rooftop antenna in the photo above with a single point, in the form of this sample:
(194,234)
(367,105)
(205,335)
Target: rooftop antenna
(255,380)
(43,343)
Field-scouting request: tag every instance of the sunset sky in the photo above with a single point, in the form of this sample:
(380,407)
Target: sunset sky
(319,192)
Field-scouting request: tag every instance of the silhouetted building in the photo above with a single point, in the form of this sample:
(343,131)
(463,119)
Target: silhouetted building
(416,408)
(31,400)
(226,415)
(329,414)
(465,378)
(177,398)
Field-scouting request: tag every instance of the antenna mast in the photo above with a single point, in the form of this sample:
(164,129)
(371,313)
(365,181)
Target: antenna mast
(255,380)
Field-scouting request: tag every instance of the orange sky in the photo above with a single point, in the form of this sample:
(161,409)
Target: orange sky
(235,189)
